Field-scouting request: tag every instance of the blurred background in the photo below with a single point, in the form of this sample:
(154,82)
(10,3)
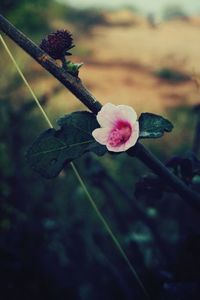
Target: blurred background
(52,246)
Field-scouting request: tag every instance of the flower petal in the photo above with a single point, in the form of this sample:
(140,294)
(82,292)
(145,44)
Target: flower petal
(120,148)
(133,138)
(126,112)
(101,135)
(107,116)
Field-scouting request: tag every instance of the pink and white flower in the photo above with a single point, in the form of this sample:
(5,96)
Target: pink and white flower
(119,129)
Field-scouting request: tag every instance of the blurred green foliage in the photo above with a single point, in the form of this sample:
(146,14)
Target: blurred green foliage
(171,75)
(83,19)
(29,16)
(32,17)
(174,11)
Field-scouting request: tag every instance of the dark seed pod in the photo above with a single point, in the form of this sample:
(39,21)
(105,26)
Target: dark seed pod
(57,44)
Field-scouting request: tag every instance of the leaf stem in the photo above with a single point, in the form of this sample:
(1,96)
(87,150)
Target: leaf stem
(100,216)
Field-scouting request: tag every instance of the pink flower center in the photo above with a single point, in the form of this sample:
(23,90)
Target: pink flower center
(120,133)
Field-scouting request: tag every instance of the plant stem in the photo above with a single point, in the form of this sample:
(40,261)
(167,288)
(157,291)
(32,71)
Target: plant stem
(100,216)
(75,85)
(172,180)
(64,63)
(72,83)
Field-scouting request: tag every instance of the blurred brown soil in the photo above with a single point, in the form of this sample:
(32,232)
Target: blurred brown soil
(122,60)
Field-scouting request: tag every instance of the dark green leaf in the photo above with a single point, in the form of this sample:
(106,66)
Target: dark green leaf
(54,148)
(153,126)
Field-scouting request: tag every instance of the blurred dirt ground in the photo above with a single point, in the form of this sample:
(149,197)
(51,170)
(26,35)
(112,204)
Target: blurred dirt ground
(125,59)
(120,62)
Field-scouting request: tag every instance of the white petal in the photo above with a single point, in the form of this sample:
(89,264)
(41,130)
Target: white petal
(101,135)
(107,116)
(127,113)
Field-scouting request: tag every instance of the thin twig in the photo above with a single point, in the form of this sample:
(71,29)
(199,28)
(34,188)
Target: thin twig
(72,83)
(84,187)
(153,163)
(75,85)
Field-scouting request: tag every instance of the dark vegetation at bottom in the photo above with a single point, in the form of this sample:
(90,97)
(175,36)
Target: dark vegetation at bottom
(53,247)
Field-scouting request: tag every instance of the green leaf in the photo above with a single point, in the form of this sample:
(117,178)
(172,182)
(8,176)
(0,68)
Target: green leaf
(53,149)
(153,126)
(73,68)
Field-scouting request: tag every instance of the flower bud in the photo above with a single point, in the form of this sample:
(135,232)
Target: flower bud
(57,44)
